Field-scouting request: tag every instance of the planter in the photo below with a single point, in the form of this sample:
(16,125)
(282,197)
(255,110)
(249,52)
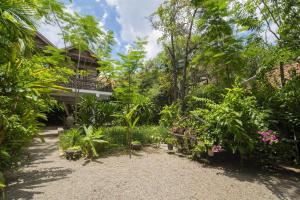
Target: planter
(136,146)
(210,153)
(170,146)
(69,121)
(73,154)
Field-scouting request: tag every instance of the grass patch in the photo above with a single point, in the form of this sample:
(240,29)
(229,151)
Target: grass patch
(143,134)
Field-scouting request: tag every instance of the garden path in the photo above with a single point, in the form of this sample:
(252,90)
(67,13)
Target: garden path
(150,174)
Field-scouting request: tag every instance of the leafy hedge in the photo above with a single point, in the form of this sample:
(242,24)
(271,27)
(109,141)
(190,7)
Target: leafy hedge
(232,124)
(144,134)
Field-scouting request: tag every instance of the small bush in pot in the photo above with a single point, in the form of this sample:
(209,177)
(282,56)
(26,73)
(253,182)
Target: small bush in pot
(73,153)
(170,141)
(136,145)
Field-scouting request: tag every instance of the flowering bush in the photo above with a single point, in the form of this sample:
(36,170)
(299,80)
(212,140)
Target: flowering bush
(268,137)
(216,148)
(232,124)
(269,151)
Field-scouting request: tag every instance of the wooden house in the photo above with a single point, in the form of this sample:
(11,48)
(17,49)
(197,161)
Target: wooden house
(88,83)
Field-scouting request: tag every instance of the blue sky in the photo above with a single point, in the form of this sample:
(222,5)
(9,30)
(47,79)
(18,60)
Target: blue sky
(126,18)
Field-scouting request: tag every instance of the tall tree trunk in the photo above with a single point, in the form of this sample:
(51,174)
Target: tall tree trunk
(174,69)
(77,86)
(186,63)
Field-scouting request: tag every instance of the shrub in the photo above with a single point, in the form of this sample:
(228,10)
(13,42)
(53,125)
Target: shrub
(25,88)
(170,140)
(70,138)
(145,110)
(169,115)
(232,124)
(89,140)
(144,134)
(283,102)
(208,91)
(92,111)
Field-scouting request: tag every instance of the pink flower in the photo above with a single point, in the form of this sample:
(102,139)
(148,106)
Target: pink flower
(268,137)
(216,148)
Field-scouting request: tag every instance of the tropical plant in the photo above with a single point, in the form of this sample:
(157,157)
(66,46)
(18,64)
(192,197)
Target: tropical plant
(131,121)
(17,22)
(95,112)
(70,138)
(145,134)
(233,123)
(90,140)
(2,181)
(170,140)
(169,115)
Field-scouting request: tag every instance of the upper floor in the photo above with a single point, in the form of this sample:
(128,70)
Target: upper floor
(87,82)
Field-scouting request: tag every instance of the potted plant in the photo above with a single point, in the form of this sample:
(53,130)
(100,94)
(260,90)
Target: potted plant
(73,153)
(170,141)
(136,145)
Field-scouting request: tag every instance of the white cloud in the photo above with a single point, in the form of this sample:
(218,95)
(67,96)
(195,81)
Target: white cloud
(127,47)
(112,2)
(268,35)
(153,47)
(71,8)
(51,32)
(132,18)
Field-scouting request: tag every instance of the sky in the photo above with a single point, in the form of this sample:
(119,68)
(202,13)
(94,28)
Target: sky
(126,18)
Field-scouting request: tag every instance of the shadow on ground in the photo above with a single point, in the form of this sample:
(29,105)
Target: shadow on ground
(283,183)
(26,184)
(39,152)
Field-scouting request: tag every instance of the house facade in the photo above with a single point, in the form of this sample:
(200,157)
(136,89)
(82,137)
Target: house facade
(87,84)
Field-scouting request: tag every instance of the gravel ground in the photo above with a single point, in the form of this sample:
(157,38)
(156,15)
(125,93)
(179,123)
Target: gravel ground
(150,174)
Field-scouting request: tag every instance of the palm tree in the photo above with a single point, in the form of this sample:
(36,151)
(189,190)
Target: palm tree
(17,26)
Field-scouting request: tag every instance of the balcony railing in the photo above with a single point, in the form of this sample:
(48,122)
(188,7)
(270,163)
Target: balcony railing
(87,84)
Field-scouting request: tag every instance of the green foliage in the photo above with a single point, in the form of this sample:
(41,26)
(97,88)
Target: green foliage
(130,121)
(281,15)
(208,91)
(144,134)
(145,110)
(170,140)
(16,25)
(95,112)
(233,123)
(87,139)
(69,138)
(2,181)
(126,88)
(169,115)
(135,142)
(92,138)
(288,100)
(25,87)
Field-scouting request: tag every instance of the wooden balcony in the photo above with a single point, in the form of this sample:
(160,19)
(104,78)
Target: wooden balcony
(87,84)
